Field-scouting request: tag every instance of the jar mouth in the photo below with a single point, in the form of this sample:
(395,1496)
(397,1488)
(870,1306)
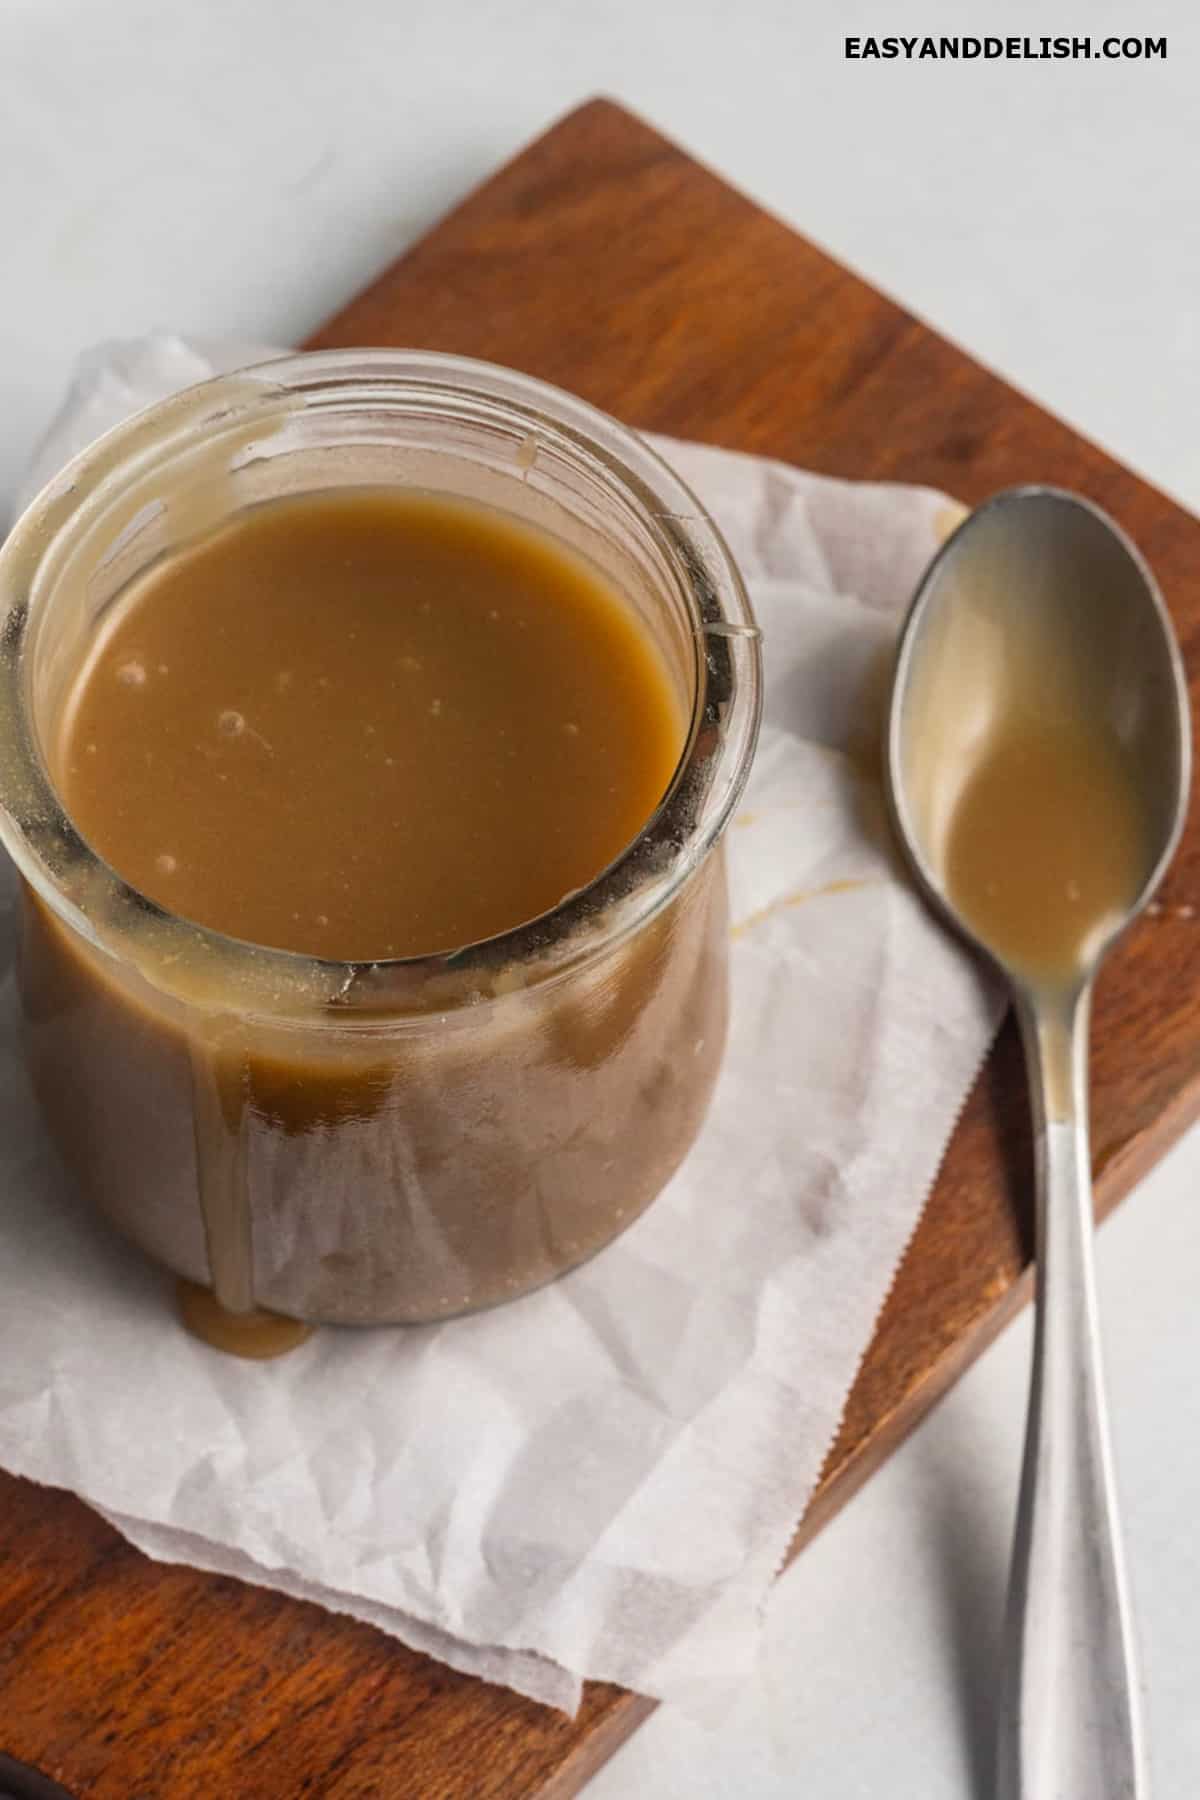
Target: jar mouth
(109,486)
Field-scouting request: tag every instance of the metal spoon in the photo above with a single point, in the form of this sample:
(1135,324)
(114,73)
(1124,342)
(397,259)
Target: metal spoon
(1037,586)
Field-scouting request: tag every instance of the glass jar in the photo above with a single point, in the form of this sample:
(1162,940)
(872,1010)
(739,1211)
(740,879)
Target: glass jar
(404,1140)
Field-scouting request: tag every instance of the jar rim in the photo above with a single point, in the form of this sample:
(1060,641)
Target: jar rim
(59,864)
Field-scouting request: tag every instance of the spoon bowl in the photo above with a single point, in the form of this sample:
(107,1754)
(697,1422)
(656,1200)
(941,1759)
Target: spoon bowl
(1037,590)
(1037,765)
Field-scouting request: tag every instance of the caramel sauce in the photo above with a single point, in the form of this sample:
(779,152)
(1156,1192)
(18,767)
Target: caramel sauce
(256,1335)
(363,725)
(1044,850)
(359,726)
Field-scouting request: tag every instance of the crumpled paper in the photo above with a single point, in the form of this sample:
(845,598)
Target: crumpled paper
(600,1480)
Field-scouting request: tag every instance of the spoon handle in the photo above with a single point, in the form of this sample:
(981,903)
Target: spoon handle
(1070,1726)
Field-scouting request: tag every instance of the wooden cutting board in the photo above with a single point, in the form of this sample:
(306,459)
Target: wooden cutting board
(606,260)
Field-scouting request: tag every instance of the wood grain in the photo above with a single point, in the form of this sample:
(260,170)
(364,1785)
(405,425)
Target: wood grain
(606,260)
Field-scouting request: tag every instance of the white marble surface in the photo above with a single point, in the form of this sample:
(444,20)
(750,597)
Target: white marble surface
(240,169)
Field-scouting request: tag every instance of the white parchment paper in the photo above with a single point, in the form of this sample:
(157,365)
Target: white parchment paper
(602,1479)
